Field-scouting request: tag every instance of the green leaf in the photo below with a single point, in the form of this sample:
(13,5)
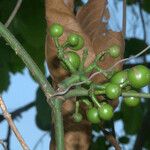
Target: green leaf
(29,27)
(99,144)
(117,115)
(124,140)
(96,127)
(134,46)
(132,118)
(146,5)
(131,2)
(4,77)
(6,7)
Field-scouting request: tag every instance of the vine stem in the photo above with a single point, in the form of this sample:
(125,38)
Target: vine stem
(12,125)
(142,95)
(43,82)
(84,92)
(13,14)
(26,58)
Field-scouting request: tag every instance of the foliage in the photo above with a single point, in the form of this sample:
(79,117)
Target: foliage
(29,27)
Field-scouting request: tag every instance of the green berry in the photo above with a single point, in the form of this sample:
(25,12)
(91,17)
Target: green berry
(132,101)
(114,51)
(139,76)
(73,39)
(113,91)
(106,112)
(77,117)
(92,115)
(56,30)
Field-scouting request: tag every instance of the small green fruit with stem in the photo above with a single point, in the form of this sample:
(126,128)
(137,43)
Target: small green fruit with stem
(119,78)
(113,91)
(77,117)
(132,101)
(139,76)
(73,39)
(92,115)
(114,51)
(73,58)
(56,30)
(106,112)
(79,45)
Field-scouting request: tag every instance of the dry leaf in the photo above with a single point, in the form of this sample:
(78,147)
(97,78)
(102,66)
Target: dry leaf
(59,12)
(93,18)
(91,23)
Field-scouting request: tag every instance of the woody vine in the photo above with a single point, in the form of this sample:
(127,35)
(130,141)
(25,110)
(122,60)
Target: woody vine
(79,84)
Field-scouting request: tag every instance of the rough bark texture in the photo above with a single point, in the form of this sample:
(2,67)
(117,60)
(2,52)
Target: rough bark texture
(90,22)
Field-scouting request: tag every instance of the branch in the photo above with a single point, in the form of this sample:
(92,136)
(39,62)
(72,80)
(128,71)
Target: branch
(3,144)
(12,125)
(142,95)
(39,141)
(20,51)
(13,14)
(8,137)
(55,104)
(142,19)
(16,113)
(121,61)
(109,137)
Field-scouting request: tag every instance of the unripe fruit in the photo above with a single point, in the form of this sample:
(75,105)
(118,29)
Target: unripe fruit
(106,112)
(113,91)
(132,101)
(56,30)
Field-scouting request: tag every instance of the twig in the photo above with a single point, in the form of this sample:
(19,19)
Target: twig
(13,14)
(8,137)
(21,52)
(124,19)
(111,139)
(12,125)
(55,104)
(96,73)
(142,19)
(121,61)
(16,113)
(3,144)
(39,141)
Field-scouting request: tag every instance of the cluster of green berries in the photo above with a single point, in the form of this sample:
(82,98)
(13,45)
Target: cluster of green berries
(76,42)
(133,78)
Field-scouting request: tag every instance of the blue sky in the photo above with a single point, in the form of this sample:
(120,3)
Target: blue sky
(21,92)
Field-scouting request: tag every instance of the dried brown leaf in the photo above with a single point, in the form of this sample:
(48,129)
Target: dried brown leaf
(93,18)
(60,12)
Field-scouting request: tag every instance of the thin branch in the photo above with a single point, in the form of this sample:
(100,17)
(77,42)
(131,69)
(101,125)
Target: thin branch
(142,19)
(3,144)
(110,138)
(55,104)
(21,52)
(121,61)
(96,73)
(12,125)
(143,95)
(39,141)
(124,19)
(16,113)
(8,138)
(13,14)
